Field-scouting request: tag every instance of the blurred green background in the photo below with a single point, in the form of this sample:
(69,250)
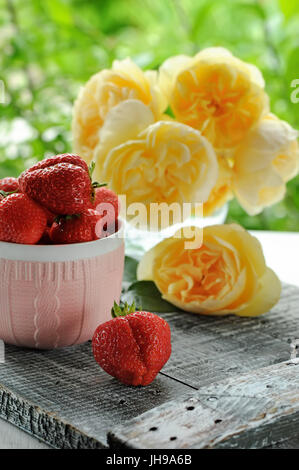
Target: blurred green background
(50,48)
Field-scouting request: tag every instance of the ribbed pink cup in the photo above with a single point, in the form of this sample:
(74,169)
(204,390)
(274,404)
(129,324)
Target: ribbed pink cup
(56,295)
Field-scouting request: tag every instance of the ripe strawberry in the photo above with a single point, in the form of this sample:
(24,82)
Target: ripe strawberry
(104,195)
(134,346)
(9,184)
(21,219)
(78,228)
(62,184)
(50,216)
(107,204)
(45,239)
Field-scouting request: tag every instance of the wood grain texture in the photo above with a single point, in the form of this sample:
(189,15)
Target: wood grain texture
(208,348)
(291,443)
(64,398)
(249,411)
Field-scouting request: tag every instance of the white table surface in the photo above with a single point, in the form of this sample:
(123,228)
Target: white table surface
(281,251)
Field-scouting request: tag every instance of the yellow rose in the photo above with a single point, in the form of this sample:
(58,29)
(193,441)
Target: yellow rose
(267,158)
(105,90)
(216,93)
(222,191)
(123,122)
(226,274)
(168,162)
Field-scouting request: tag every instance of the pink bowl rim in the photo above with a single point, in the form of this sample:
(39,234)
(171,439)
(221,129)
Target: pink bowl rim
(67,252)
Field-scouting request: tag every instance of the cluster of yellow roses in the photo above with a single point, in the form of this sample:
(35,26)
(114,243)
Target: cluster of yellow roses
(218,142)
(222,142)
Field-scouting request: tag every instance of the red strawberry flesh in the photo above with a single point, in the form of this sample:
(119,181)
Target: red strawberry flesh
(9,184)
(106,202)
(61,184)
(78,228)
(21,220)
(62,158)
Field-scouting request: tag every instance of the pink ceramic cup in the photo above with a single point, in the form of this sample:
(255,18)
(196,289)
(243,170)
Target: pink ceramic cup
(56,295)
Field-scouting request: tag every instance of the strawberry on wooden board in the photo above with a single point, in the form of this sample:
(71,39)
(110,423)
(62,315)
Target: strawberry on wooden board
(77,228)
(9,184)
(21,219)
(62,184)
(132,347)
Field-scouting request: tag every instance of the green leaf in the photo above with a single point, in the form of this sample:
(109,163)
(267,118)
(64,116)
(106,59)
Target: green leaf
(292,65)
(130,269)
(146,294)
(289,7)
(60,11)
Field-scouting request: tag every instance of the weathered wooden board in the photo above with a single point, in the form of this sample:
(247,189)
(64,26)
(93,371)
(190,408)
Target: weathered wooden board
(63,397)
(291,443)
(249,411)
(207,349)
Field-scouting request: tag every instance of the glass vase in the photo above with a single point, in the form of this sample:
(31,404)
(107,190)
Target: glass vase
(137,241)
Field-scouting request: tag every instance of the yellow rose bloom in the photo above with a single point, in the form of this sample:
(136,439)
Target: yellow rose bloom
(125,80)
(222,191)
(226,274)
(168,162)
(124,122)
(216,93)
(267,158)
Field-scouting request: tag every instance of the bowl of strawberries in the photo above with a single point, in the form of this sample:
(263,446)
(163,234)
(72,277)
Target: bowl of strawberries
(61,254)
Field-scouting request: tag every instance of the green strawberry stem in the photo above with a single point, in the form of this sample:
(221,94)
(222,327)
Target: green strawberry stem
(60,217)
(5,194)
(94,184)
(123,310)
(91,169)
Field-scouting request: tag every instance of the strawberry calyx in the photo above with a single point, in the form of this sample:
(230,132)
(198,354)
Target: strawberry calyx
(59,218)
(91,169)
(5,193)
(94,184)
(123,309)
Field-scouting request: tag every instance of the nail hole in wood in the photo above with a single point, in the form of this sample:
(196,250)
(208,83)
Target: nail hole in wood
(212,399)
(153,428)
(173,438)
(217,421)
(190,408)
